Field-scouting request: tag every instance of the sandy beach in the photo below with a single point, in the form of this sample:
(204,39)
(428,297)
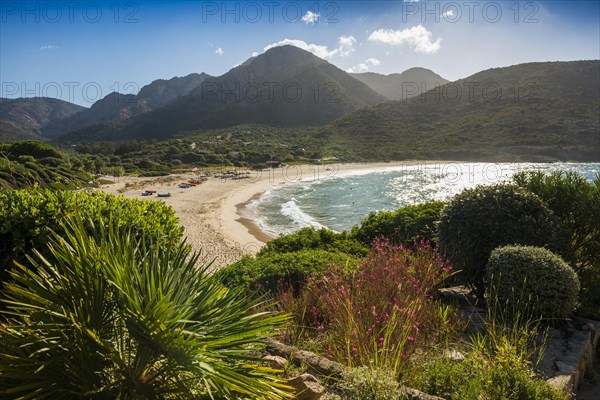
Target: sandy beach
(212,212)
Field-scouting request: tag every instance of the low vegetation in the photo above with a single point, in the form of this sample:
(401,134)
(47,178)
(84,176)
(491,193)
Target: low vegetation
(403,226)
(315,239)
(111,303)
(267,272)
(241,146)
(30,217)
(27,163)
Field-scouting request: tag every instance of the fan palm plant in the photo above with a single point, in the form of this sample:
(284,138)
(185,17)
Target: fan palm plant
(113,316)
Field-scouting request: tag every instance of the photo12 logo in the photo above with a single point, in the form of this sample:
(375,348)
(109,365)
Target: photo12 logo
(253,12)
(470,11)
(73,92)
(473,91)
(270,92)
(69,11)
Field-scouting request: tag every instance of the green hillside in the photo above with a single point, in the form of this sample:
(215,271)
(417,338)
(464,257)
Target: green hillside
(31,163)
(534,112)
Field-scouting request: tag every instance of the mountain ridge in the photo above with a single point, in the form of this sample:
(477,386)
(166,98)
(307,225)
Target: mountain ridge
(26,117)
(285,86)
(117,106)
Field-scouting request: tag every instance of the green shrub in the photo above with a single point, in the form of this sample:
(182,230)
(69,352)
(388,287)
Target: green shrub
(574,200)
(118,316)
(364,383)
(531,278)
(51,161)
(273,271)
(312,239)
(405,225)
(34,149)
(28,217)
(25,159)
(478,220)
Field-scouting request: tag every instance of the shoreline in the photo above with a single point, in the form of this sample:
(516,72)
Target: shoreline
(213,213)
(238,204)
(253,228)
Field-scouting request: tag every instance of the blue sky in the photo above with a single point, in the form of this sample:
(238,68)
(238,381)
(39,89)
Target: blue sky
(81,51)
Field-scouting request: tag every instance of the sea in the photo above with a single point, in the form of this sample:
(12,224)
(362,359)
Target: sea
(328,198)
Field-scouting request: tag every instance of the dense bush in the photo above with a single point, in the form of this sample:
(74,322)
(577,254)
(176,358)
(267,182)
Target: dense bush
(119,316)
(574,200)
(478,220)
(532,280)
(270,271)
(28,217)
(31,148)
(405,225)
(312,239)
(22,172)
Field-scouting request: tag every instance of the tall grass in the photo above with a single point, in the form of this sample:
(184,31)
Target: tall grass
(377,314)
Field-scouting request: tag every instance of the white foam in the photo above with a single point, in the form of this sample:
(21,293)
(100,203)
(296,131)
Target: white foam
(299,217)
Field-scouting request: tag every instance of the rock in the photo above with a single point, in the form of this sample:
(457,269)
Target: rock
(454,355)
(314,362)
(554,333)
(562,382)
(307,387)
(276,362)
(565,368)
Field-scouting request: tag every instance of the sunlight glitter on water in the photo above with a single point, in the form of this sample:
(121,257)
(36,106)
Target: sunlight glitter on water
(342,200)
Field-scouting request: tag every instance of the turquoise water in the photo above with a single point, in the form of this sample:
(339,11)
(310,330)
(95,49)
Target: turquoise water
(339,200)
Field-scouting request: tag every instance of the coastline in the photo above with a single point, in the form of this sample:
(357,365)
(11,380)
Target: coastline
(214,213)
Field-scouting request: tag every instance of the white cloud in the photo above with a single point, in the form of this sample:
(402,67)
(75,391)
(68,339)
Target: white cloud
(317,50)
(417,38)
(347,41)
(219,51)
(346,46)
(449,13)
(49,47)
(254,53)
(364,66)
(311,18)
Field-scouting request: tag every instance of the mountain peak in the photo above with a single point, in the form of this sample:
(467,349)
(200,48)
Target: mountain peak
(285,55)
